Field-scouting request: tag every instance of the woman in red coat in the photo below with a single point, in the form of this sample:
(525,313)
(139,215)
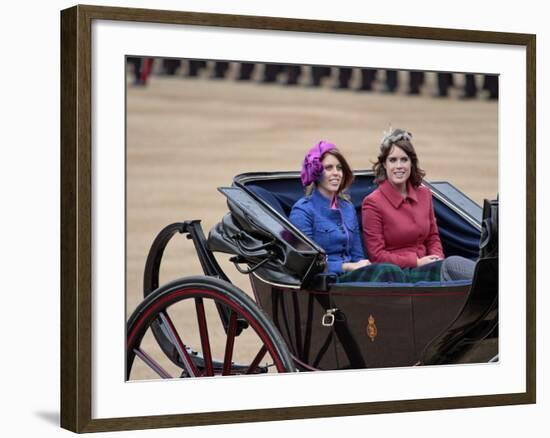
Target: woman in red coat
(399,225)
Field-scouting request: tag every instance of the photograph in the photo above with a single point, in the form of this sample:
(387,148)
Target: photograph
(297,218)
(273,219)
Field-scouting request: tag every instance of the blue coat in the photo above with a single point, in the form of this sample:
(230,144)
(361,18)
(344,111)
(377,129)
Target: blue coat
(334,230)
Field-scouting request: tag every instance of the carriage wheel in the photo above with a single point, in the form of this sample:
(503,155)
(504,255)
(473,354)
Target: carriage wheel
(178,324)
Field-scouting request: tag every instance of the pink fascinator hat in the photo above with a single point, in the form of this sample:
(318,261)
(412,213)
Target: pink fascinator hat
(312,167)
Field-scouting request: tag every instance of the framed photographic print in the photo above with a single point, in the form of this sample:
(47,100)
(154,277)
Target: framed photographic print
(191,292)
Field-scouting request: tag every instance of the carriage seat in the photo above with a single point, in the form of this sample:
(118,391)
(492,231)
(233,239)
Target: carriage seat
(457,238)
(282,202)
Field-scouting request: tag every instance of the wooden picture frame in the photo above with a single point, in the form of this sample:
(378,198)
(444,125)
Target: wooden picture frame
(76,216)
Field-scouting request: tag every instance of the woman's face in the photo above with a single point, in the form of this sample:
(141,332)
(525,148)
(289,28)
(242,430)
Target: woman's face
(332,175)
(398,167)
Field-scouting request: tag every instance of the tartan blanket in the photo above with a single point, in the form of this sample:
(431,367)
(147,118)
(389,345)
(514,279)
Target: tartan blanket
(388,273)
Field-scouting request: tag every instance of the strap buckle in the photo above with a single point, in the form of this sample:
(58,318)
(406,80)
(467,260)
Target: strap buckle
(328,318)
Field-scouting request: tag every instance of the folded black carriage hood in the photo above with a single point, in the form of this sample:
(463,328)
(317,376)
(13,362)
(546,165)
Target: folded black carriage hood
(261,239)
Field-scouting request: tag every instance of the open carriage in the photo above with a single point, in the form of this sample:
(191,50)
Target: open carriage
(301,318)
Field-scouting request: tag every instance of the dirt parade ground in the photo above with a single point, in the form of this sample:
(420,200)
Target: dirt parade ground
(186,137)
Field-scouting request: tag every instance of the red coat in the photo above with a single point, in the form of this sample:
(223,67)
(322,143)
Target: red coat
(400,230)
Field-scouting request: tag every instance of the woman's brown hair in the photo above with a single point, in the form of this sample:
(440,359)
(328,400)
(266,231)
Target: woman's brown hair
(347,174)
(403,140)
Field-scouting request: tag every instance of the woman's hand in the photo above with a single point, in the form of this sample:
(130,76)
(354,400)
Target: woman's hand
(427,259)
(352,266)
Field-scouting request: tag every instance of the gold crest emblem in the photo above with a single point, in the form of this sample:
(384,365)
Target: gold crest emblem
(372,331)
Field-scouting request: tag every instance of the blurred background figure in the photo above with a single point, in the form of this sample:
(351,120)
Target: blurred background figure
(141,69)
(271,73)
(470,90)
(391,81)
(344,76)
(318,73)
(293,74)
(416,80)
(246,69)
(470,87)
(368,76)
(444,81)
(220,69)
(169,66)
(490,83)
(194,67)
(135,63)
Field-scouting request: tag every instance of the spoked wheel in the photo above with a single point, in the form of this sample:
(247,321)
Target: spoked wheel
(177,331)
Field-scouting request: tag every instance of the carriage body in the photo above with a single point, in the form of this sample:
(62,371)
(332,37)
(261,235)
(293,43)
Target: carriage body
(355,325)
(326,325)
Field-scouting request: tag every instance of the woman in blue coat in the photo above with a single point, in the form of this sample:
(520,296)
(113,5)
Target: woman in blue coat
(326,215)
